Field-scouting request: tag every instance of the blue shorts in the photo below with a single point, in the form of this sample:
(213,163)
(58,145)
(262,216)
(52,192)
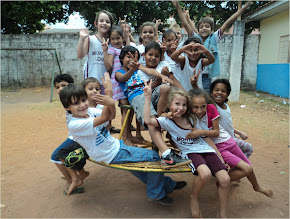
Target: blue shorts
(54,158)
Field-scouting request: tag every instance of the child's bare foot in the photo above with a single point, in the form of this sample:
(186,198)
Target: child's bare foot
(129,142)
(194,206)
(267,192)
(73,185)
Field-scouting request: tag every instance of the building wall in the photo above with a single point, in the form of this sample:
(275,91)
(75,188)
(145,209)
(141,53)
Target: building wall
(273,67)
(30,68)
(271,29)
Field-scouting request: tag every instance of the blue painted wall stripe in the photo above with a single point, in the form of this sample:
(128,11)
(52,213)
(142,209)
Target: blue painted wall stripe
(273,79)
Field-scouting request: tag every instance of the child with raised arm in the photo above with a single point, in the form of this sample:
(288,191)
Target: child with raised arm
(195,58)
(209,122)
(205,28)
(86,126)
(91,46)
(133,89)
(205,160)
(220,89)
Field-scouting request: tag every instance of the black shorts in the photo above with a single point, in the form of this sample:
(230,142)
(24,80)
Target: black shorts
(74,156)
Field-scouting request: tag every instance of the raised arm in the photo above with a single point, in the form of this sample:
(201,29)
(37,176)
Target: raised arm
(134,65)
(209,56)
(189,21)
(182,17)
(108,59)
(83,44)
(176,56)
(109,109)
(232,18)
(147,111)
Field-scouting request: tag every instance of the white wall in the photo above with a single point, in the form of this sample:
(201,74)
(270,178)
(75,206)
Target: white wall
(34,68)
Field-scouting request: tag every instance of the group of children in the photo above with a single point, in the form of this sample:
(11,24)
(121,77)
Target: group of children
(169,87)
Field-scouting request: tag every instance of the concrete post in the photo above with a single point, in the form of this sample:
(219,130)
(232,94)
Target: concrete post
(236,60)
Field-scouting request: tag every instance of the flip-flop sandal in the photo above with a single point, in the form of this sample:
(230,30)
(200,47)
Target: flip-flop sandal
(75,191)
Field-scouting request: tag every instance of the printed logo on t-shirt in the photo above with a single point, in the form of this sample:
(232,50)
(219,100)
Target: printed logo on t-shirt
(185,141)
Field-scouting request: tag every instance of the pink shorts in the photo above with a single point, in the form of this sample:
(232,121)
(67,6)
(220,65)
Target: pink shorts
(231,153)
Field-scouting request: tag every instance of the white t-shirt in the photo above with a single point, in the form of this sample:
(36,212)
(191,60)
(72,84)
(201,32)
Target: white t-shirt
(159,67)
(187,72)
(141,49)
(97,141)
(226,120)
(178,135)
(175,67)
(68,117)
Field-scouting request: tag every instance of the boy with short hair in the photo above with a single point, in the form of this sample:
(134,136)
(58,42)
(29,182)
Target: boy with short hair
(205,28)
(87,128)
(61,81)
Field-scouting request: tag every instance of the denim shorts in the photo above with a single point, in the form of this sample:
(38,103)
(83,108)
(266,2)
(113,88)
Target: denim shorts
(54,157)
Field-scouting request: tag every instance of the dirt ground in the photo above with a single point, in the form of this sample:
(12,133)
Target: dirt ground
(32,187)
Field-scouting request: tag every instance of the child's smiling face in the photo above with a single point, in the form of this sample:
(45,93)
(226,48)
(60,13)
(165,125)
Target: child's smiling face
(116,40)
(147,34)
(169,40)
(152,58)
(103,23)
(219,94)
(199,106)
(204,30)
(192,53)
(178,105)
(78,108)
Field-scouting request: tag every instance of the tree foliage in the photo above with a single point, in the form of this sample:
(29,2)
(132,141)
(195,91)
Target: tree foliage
(25,17)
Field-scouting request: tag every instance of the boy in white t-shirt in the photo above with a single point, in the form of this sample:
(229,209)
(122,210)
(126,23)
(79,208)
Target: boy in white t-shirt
(87,128)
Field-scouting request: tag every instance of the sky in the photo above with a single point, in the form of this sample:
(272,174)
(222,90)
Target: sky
(75,21)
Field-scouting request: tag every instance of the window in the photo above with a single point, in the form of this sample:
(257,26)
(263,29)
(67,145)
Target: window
(284,49)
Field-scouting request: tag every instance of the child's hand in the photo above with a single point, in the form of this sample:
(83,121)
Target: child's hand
(84,33)
(200,48)
(166,80)
(194,78)
(105,44)
(147,89)
(165,71)
(174,46)
(194,133)
(243,135)
(162,46)
(175,3)
(105,100)
(134,64)
(158,22)
(107,84)
(169,115)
